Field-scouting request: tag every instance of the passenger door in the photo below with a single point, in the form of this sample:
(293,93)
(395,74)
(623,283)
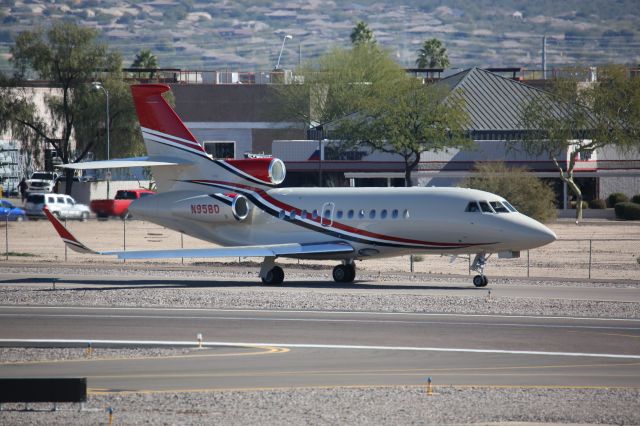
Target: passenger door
(326,214)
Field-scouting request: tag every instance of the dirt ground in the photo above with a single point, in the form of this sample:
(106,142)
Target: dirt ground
(615,249)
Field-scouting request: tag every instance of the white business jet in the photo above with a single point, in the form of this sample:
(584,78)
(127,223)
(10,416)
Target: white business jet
(236,204)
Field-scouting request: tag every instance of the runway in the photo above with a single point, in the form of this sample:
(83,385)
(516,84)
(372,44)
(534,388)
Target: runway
(250,349)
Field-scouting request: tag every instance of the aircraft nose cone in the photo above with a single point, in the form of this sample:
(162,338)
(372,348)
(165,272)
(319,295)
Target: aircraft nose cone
(539,235)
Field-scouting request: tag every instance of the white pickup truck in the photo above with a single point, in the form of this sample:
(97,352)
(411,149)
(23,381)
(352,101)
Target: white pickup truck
(41,182)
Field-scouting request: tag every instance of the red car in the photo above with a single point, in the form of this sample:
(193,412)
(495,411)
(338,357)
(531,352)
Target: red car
(120,205)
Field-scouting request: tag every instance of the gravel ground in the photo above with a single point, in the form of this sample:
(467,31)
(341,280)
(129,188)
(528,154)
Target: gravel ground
(386,405)
(199,294)
(22,355)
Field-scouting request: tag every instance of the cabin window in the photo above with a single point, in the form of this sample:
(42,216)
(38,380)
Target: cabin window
(372,214)
(406,214)
(486,208)
(472,207)
(509,206)
(498,207)
(339,214)
(314,215)
(327,213)
(383,214)
(292,215)
(394,213)
(282,214)
(304,214)
(350,214)
(361,214)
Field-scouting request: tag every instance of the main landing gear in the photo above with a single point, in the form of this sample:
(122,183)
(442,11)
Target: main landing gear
(479,262)
(272,274)
(344,273)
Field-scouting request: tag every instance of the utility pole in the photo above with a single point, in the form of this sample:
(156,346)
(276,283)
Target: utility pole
(544,57)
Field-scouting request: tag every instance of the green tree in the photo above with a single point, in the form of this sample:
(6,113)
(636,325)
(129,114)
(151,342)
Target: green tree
(432,54)
(364,98)
(529,194)
(68,56)
(147,60)
(577,118)
(361,34)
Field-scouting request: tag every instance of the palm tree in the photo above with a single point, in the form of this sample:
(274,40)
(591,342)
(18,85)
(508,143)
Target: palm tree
(145,59)
(432,54)
(361,34)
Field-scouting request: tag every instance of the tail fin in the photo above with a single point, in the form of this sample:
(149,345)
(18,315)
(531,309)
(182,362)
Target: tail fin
(163,132)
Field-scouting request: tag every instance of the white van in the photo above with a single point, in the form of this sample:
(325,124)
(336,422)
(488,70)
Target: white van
(62,206)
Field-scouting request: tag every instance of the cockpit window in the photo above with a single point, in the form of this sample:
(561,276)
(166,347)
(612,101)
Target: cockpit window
(486,208)
(472,207)
(498,207)
(509,206)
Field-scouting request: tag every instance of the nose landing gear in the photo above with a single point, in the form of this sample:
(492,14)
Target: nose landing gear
(479,262)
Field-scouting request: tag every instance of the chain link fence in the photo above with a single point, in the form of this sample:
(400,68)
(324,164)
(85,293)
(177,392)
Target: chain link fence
(581,258)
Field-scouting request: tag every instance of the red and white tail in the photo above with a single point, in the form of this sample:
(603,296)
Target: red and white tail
(168,139)
(162,129)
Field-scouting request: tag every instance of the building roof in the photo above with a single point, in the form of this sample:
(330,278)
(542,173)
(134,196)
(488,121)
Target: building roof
(494,103)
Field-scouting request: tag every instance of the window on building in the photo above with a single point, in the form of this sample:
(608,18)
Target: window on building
(220,149)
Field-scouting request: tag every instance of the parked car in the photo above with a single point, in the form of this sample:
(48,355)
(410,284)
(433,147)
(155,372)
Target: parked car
(41,182)
(120,205)
(62,206)
(11,212)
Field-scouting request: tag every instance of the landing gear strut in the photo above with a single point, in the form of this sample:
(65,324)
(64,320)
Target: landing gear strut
(270,273)
(479,262)
(344,273)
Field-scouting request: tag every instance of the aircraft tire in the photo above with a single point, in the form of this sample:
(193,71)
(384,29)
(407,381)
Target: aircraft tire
(275,276)
(480,281)
(344,273)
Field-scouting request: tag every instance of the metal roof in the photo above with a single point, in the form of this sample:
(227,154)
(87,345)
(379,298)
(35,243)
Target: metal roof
(494,103)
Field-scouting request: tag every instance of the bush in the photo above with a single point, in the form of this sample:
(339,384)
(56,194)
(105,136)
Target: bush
(636,199)
(615,198)
(597,204)
(529,194)
(628,211)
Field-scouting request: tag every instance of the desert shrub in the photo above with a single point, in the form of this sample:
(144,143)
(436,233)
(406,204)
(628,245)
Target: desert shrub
(615,198)
(573,204)
(529,194)
(628,211)
(636,199)
(597,204)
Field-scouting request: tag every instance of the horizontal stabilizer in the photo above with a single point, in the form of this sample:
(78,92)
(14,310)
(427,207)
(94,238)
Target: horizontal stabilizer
(124,163)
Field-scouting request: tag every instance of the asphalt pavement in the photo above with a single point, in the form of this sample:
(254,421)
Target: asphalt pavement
(255,349)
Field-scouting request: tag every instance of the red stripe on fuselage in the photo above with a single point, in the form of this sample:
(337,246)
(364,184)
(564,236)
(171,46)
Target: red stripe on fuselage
(337,225)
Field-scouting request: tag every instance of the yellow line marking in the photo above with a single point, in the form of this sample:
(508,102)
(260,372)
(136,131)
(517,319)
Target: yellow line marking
(361,386)
(265,350)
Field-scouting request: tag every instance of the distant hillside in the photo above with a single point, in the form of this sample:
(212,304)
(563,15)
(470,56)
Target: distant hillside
(247,35)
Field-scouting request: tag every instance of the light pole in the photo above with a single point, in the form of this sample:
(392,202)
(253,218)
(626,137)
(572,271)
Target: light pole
(284,39)
(98,86)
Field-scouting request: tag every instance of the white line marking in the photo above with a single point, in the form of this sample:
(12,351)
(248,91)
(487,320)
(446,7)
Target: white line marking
(425,314)
(320,346)
(341,320)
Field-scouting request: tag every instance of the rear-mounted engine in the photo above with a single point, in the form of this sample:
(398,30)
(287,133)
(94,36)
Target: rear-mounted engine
(263,170)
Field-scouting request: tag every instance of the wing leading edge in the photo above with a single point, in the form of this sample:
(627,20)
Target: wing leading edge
(269,250)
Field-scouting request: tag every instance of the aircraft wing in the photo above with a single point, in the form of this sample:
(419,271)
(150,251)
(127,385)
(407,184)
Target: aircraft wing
(275,250)
(122,163)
